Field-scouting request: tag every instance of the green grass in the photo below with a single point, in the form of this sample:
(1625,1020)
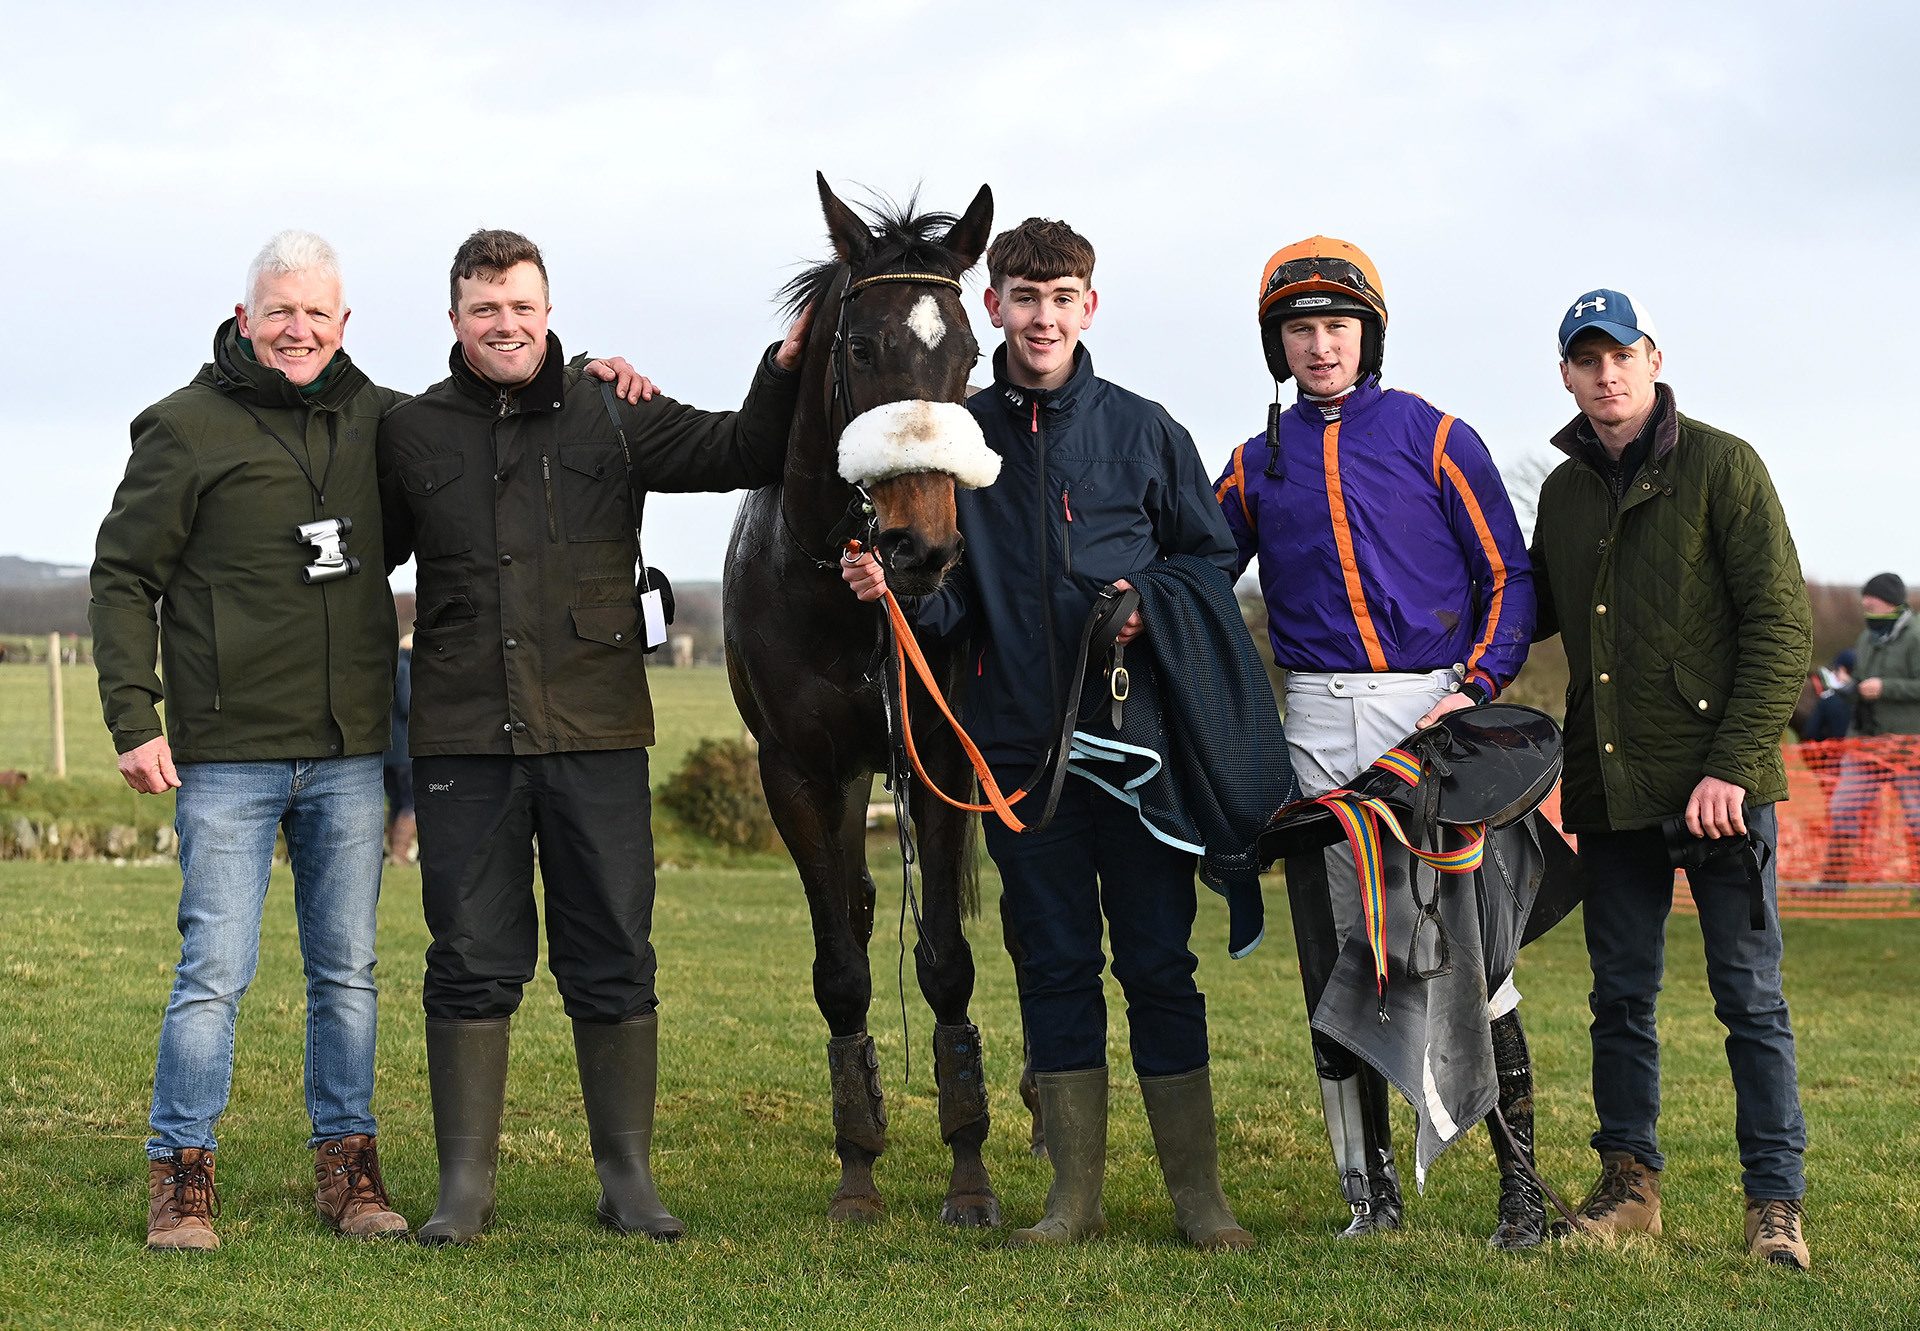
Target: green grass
(689,705)
(744,1149)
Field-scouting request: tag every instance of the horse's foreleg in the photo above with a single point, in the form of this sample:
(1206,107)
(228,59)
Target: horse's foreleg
(814,819)
(944,965)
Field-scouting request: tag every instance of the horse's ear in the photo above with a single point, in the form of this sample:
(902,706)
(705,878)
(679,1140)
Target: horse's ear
(968,239)
(850,236)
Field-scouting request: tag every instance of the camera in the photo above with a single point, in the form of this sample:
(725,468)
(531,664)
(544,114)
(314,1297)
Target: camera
(328,537)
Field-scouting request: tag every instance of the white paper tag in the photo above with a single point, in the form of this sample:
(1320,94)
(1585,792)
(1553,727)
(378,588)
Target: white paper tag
(656,617)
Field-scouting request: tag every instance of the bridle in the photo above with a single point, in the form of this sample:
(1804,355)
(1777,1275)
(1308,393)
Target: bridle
(860,520)
(842,403)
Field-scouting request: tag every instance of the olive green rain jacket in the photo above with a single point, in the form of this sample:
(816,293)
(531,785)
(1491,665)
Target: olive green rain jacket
(200,550)
(1685,619)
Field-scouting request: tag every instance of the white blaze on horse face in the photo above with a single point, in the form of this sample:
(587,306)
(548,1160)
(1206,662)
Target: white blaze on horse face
(926,323)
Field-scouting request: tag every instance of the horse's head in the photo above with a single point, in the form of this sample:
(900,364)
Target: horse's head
(899,349)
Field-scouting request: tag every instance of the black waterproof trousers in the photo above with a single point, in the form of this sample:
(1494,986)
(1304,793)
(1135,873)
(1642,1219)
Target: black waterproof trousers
(480,819)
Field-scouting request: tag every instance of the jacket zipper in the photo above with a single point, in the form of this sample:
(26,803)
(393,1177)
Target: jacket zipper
(1066,532)
(546,481)
(1046,584)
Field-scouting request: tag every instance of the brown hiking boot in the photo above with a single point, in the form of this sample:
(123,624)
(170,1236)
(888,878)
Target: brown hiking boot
(181,1202)
(348,1191)
(1625,1200)
(1773,1232)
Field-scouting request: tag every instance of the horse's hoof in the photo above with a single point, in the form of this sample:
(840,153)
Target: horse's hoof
(858,1209)
(1039,1149)
(972,1210)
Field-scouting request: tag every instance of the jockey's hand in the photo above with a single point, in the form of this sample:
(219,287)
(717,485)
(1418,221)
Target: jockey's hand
(1870,688)
(1715,809)
(862,572)
(788,357)
(1135,625)
(149,768)
(628,383)
(1453,702)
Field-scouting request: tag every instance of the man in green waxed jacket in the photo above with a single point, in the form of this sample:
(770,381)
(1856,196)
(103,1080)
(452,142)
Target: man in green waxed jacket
(1662,558)
(276,687)
(509,481)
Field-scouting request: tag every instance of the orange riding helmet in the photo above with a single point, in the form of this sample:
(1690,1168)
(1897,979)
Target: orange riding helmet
(1321,275)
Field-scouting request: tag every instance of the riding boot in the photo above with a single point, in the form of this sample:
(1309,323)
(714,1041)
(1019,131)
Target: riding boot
(619,1072)
(1180,1111)
(1523,1210)
(467,1073)
(1383,1179)
(1362,1151)
(1074,1106)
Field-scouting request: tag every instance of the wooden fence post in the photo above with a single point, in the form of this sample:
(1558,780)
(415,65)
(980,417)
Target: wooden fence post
(59,707)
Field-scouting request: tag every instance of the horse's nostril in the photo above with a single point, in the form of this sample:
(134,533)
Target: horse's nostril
(901,549)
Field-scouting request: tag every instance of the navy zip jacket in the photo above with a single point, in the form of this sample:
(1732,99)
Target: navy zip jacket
(1095,484)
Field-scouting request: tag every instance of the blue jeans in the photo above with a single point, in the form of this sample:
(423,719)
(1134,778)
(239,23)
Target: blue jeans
(1096,858)
(1626,918)
(226,815)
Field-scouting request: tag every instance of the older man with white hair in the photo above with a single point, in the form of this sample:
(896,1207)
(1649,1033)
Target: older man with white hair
(244,550)
(249,518)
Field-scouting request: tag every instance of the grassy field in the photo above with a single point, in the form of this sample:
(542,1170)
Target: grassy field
(744,1148)
(689,705)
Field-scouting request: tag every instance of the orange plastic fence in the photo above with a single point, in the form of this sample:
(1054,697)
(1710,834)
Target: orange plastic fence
(1849,830)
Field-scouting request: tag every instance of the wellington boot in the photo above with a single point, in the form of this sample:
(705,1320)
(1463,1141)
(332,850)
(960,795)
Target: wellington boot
(1180,1110)
(1625,1199)
(1775,1235)
(619,1073)
(1073,1105)
(467,1071)
(181,1202)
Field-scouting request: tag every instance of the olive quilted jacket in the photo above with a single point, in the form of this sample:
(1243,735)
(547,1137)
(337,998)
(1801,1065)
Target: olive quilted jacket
(1685,620)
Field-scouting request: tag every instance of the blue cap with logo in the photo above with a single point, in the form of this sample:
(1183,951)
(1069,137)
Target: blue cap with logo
(1612,313)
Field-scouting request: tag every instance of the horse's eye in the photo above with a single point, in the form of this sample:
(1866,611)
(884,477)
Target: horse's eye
(860,350)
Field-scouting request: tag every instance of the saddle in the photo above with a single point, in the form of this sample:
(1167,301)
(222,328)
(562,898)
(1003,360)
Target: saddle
(1487,766)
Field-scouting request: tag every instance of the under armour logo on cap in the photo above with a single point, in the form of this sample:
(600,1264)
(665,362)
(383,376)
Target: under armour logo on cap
(1612,313)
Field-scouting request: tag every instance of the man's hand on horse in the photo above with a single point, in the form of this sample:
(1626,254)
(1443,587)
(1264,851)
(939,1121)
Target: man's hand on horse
(788,357)
(1716,809)
(1453,702)
(628,383)
(1136,623)
(862,572)
(149,768)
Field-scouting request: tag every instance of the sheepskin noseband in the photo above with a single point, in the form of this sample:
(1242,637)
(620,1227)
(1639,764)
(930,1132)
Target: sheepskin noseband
(900,437)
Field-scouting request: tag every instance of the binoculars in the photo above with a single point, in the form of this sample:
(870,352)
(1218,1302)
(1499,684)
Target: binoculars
(328,539)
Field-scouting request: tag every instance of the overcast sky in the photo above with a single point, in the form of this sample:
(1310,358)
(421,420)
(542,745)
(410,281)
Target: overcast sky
(1747,172)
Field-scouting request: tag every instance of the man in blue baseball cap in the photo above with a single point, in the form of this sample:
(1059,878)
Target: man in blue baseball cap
(1662,558)
(1609,312)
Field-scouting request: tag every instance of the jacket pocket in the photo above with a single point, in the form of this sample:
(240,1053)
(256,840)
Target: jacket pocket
(613,625)
(435,488)
(594,505)
(1701,698)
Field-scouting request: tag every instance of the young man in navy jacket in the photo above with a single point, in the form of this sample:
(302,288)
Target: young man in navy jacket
(1095,484)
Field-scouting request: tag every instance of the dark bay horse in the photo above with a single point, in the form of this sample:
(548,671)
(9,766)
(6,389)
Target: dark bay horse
(884,368)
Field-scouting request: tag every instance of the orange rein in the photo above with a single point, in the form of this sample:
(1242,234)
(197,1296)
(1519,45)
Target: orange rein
(906,649)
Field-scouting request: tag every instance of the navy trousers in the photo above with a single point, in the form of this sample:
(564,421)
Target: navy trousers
(1626,918)
(1095,859)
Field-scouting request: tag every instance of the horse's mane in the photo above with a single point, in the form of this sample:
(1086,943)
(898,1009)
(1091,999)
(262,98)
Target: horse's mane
(902,238)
